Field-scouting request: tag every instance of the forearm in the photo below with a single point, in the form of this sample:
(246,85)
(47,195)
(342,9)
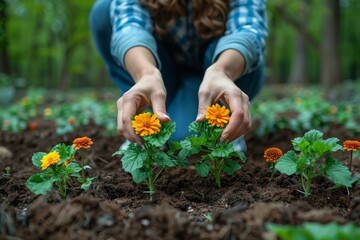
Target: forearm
(139,62)
(231,62)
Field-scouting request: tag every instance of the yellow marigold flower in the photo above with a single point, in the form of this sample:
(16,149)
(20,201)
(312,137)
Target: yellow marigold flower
(83,142)
(69,161)
(273,154)
(47,112)
(50,159)
(351,145)
(217,115)
(145,124)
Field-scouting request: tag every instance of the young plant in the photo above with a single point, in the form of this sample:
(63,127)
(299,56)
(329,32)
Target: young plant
(147,162)
(312,149)
(83,143)
(218,155)
(57,167)
(351,146)
(271,156)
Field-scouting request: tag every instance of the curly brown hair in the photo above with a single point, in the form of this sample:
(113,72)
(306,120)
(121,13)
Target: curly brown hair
(209,16)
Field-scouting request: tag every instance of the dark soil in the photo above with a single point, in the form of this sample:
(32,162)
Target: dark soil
(185,206)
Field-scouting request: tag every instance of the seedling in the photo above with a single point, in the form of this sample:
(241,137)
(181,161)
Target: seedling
(147,162)
(312,149)
(218,155)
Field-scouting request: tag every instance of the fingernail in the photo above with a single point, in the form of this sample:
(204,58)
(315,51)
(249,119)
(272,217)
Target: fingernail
(198,117)
(224,137)
(165,116)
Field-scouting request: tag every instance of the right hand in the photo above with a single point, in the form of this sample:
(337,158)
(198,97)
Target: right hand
(148,91)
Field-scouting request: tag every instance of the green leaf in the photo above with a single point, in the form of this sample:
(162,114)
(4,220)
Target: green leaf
(138,175)
(229,167)
(195,127)
(287,164)
(223,151)
(320,148)
(36,159)
(333,144)
(164,160)
(203,168)
(133,160)
(87,167)
(315,231)
(338,173)
(289,232)
(158,140)
(38,184)
(313,135)
(72,168)
(86,185)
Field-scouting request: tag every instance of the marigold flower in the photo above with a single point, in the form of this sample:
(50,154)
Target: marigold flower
(351,145)
(33,125)
(273,154)
(217,115)
(50,159)
(69,161)
(145,124)
(71,120)
(47,112)
(83,142)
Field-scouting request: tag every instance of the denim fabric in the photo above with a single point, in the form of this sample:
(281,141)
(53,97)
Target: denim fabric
(181,83)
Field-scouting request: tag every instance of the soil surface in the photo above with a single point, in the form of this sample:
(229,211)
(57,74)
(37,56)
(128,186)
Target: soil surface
(185,206)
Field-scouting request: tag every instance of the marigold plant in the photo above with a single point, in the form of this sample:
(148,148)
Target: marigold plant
(272,155)
(351,146)
(147,162)
(312,148)
(218,156)
(58,166)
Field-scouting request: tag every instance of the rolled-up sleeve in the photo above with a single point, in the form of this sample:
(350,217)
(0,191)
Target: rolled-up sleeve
(246,32)
(132,26)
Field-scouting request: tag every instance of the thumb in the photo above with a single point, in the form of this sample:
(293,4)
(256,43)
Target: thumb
(203,104)
(158,106)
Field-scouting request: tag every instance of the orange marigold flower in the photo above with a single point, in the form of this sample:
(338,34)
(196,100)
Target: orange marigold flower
(273,154)
(33,125)
(83,142)
(217,115)
(351,145)
(50,159)
(145,124)
(71,120)
(69,161)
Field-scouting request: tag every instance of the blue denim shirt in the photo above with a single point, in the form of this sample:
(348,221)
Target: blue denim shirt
(246,32)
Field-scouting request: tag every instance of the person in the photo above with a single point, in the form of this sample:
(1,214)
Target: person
(181,56)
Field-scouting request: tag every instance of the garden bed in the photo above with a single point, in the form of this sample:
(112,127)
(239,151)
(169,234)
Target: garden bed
(185,206)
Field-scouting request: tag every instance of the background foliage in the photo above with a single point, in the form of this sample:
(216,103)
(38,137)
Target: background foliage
(48,43)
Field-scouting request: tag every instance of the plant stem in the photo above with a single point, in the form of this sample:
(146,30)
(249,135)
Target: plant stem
(350,161)
(82,167)
(217,172)
(272,172)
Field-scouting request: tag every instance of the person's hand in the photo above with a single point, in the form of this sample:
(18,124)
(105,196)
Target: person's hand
(217,86)
(148,91)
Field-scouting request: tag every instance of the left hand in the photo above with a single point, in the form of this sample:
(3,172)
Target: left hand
(217,86)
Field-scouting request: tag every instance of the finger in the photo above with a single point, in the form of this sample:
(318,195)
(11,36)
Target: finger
(240,121)
(129,107)
(205,101)
(158,105)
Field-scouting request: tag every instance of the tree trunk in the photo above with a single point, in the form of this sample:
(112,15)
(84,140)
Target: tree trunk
(299,73)
(4,56)
(331,73)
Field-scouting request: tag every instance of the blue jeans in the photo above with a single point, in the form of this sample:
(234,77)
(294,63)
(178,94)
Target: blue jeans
(181,84)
